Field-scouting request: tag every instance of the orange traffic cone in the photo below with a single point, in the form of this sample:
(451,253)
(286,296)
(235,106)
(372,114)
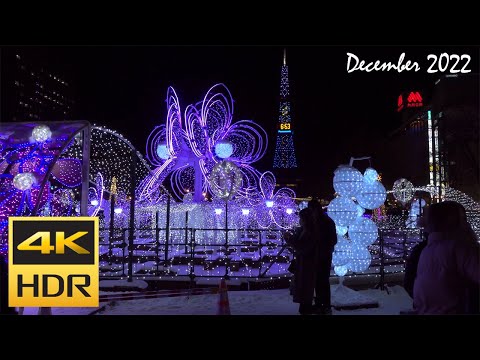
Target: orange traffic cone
(44,311)
(223,304)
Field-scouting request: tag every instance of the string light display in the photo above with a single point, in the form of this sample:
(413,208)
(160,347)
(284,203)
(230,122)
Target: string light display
(347,181)
(24,181)
(41,133)
(370,175)
(355,232)
(225,180)
(197,143)
(342,210)
(363,231)
(472,207)
(284,148)
(341,230)
(340,270)
(110,155)
(372,195)
(162,151)
(33,180)
(342,252)
(271,207)
(403,190)
(223,149)
(361,258)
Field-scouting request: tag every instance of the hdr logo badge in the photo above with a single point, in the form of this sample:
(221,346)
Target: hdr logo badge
(53,261)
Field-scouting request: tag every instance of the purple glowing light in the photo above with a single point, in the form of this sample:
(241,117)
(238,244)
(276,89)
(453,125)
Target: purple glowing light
(208,134)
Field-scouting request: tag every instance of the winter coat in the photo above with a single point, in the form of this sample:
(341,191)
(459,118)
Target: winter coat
(446,267)
(327,234)
(306,255)
(411,267)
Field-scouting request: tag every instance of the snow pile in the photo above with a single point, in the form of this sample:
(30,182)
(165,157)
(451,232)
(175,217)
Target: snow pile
(346,298)
(139,284)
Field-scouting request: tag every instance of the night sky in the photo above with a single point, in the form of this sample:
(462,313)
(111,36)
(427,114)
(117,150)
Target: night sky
(336,114)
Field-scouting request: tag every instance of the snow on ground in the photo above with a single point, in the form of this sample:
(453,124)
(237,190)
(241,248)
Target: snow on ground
(140,284)
(260,302)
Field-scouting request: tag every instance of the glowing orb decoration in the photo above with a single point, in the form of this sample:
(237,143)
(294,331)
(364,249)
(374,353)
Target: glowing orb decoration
(347,180)
(341,230)
(218,211)
(223,149)
(370,176)
(94,202)
(302,205)
(360,211)
(403,190)
(225,179)
(363,231)
(340,270)
(361,258)
(343,252)
(24,181)
(269,203)
(118,210)
(163,151)
(289,211)
(372,196)
(342,210)
(245,212)
(41,133)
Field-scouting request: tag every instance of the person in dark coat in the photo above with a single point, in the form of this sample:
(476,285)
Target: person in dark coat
(411,264)
(473,290)
(303,242)
(448,265)
(327,239)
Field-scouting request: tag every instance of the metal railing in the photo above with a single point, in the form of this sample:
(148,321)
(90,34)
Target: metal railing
(245,253)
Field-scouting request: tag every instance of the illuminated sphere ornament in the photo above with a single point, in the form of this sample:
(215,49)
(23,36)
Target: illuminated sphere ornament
(223,149)
(342,210)
(162,151)
(269,203)
(370,176)
(289,211)
(347,180)
(403,190)
(94,202)
(372,196)
(24,181)
(118,210)
(363,231)
(343,252)
(340,270)
(361,258)
(225,180)
(341,230)
(41,133)
(360,210)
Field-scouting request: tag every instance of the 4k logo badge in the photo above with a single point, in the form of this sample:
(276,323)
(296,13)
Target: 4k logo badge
(53,261)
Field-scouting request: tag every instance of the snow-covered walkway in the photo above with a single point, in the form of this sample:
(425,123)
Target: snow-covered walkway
(261,302)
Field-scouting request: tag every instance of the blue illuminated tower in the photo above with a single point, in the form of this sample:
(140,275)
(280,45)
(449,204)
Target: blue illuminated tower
(284,149)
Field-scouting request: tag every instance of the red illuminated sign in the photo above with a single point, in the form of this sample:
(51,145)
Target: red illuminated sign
(413,100)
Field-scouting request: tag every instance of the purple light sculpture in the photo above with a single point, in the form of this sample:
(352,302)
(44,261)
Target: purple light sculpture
(33,177)
(191,147)
(272,207)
